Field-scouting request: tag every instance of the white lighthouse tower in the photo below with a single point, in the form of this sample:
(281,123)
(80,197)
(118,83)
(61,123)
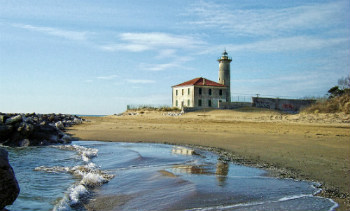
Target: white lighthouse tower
(224,73)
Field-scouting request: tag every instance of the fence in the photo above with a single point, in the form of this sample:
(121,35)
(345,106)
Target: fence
(241,98)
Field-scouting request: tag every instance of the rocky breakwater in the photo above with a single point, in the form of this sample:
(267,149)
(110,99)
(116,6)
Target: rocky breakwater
(21,130)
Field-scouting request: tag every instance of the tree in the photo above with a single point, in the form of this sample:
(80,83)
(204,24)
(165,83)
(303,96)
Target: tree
(342,88)
(344,83)
(335,92)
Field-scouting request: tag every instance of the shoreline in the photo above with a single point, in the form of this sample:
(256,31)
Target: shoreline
(271,171)
(262,146)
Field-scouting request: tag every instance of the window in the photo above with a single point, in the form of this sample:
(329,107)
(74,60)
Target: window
(220,92)
(177,92)
(188,102)
(199,102)
(200,91)
(177,103)
(182,91)
(209,103)
(188,91)
(209,91)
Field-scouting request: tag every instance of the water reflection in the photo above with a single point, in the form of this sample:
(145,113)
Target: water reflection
(188,169)
(222,169)
(183,151)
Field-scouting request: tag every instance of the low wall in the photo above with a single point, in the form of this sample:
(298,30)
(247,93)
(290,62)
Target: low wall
(190,109)
(221,105)
(287,105)
(233,105)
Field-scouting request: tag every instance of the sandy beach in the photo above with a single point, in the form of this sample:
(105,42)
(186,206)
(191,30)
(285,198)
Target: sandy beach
(312,147)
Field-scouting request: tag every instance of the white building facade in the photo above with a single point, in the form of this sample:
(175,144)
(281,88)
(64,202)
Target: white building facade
(198,92)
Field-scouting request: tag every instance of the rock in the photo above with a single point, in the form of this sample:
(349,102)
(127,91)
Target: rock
(66,139)
(2,119)
(53,139)
(29,120)
(9,188)
(5,132)
(36,119)
(44,132)
(43,143)
(13,120)
(68,123)
(24,143)
(77,121)
(35,129)
(59,125)
(51,118)
(30,114)
(25,129)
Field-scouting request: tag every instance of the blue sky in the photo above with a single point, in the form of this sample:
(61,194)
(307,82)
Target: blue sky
(95,57)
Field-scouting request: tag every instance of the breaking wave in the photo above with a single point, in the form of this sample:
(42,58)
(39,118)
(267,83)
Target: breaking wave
(90,176)
(259,205)
(86,153)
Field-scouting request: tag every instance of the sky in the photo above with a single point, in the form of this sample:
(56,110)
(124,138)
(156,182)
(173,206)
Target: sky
(97,57)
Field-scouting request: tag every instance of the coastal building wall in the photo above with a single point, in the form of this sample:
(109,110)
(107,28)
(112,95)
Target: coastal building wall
(198,96)
(183,96)
(287,105)
(209,96)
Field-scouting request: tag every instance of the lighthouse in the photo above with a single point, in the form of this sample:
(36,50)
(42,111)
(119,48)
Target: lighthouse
(224,73)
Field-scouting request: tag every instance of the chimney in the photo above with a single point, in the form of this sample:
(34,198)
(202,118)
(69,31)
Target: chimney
(203,81)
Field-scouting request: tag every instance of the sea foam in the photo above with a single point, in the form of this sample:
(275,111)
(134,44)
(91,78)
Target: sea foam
(85,153)
(89,175)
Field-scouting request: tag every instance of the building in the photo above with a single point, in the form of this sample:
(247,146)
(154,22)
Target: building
(204,93)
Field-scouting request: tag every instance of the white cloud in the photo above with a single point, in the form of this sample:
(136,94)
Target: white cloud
(166,53)
(267,21)
(295,43)
(109,77)
(67,34)
(157,67)
(125,47)
(289,43)
(162,42)
(178,63)
(157,39)
(140,81)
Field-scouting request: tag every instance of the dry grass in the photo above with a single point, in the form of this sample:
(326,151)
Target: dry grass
(152,108)
(333,105)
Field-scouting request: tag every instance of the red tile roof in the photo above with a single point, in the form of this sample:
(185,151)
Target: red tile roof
(200,82)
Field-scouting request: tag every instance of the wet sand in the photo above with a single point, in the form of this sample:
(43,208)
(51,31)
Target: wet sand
(311,147)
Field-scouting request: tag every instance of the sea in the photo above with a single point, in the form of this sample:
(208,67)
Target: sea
(92,175)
